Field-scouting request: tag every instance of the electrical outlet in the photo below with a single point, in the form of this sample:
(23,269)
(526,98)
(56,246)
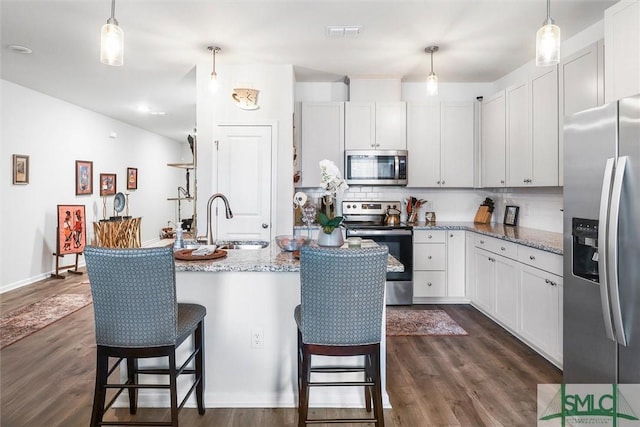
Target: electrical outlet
(257,338)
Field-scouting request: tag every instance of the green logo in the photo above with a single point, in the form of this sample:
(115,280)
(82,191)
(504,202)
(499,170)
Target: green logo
(587,404)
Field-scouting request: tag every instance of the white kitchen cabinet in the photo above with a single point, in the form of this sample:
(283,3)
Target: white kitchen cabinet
(541,303)
(456,263)
(544,128)
(423,144)
(519,152)
(429,263)
(507,304)
(322,137)
(493,145)
(485,280)
(622,50)
(457,145)
(581,86)
(375,125)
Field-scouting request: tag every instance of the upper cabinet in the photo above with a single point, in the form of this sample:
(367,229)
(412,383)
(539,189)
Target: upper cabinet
(493,153)
(519,155)
(622,50)
(322,137)
(440,144)
(375,126)
(545,156)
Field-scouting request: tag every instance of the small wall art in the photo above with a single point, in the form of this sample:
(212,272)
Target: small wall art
(20,169)
(71,229)
(511,215)
(107,184)
(84,177)
(132,178)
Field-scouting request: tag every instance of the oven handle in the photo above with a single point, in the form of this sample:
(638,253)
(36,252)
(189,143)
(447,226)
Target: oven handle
(365,233)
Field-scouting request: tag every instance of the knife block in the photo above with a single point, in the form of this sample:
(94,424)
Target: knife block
(483,216)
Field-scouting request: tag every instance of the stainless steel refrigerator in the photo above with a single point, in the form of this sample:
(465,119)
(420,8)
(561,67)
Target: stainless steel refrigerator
(601,338)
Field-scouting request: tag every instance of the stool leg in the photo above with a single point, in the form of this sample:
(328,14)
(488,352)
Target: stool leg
(102,367)
(173,374)
(368,376)
(303,410)
(377,389)
(199,344)
(132,376)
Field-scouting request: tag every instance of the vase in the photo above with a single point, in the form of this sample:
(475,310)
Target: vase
(333,240)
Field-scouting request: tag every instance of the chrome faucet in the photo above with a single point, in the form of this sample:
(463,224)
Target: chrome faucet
(227,210)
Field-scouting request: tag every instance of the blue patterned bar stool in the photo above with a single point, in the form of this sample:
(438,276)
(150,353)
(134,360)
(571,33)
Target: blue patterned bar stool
(342,295)
(137,316)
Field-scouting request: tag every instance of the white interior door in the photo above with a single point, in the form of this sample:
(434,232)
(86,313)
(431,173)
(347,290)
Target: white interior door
(244,176)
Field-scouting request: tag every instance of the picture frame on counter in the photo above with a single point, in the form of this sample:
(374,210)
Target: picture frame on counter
(132,178)
(511,215)
(107,184)
(20,169)
(84,177)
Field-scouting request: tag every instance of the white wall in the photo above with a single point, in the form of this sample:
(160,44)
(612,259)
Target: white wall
(276,101)
(54,134)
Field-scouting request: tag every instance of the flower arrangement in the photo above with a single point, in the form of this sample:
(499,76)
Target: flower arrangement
(332,184)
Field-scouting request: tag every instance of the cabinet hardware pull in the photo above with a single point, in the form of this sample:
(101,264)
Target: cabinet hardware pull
(430,236)
(438,182)
(532,258)
(442,182)
(482,242)
(450,235)
(265,225)
(502,181)
(502,248)
(429,257)
(547,281)
(428,283)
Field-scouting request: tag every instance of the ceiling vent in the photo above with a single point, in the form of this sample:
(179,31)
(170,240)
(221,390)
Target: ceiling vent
(338,31)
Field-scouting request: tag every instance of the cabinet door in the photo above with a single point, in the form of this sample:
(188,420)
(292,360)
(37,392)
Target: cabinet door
(429,256)
(485,280)
(457,153)
(581,82)
(493,152)
(322,133)
(456,261)
(507,291)
(622,50)
(360,119)
(391,126)
(429,284)
(423,142)
(519,154)
(544,127)
(539,309)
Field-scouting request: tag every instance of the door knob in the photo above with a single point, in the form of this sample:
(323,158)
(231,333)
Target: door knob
(265,225)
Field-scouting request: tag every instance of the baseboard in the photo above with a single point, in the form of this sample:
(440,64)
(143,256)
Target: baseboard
(441,300)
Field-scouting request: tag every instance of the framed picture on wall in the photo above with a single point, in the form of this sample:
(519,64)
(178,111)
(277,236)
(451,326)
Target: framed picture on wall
(511,215)
(84,177)
(20,169)
(132,178)
(72,235)
(107,184)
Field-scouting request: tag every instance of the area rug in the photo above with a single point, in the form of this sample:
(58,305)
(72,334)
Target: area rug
(24,321)
(421,322)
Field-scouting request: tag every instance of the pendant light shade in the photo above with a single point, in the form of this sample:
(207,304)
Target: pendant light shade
(548,42)
(213,82)
(432,79)
(112,41)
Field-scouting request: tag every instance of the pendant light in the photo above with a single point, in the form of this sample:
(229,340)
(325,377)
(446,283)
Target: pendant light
(112,40)
(432,79)
(213,83)
(548,42)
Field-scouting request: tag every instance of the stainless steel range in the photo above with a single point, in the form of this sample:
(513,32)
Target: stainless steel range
(366,219)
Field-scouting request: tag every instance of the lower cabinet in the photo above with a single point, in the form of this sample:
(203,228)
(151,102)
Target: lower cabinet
(439,266)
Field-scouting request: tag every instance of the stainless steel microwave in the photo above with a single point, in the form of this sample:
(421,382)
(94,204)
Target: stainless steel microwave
(375,167)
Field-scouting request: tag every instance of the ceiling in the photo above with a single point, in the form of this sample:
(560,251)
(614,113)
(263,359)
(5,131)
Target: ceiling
(480,41)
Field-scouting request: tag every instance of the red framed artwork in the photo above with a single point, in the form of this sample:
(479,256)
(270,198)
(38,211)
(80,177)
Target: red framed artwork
(132,178)
(107,184)
(84,177)
(72,235)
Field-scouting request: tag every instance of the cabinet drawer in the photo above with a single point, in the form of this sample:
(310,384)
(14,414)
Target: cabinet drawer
(497,246)
(429,284)
(429,257)
(429,236)
(546,261)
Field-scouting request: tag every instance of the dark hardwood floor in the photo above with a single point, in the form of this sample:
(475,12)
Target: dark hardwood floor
(488,378)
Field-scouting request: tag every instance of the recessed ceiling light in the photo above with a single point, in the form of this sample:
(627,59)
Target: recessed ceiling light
(20,49)
(143,109)
(157,113)
(343,30)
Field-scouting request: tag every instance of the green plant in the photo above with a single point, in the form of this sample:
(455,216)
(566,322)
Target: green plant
(328,224)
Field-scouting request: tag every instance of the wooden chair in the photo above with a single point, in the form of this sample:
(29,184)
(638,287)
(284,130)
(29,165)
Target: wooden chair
(342,298)
(137,316)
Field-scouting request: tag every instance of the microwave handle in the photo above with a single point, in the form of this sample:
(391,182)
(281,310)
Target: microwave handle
(397,167)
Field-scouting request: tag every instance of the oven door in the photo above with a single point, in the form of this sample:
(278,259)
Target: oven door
(400,242)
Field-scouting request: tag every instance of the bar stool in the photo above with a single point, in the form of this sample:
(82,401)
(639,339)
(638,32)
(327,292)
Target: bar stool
(342,298)
(137,316)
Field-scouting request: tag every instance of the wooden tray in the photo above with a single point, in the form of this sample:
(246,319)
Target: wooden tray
(185,255)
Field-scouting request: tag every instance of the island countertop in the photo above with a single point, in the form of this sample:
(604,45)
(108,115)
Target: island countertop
(269,259)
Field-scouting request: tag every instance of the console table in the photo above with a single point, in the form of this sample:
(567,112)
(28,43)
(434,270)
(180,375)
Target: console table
(120,233)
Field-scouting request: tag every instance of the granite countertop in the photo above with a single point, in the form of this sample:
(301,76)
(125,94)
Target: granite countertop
(539,239)
(269,259)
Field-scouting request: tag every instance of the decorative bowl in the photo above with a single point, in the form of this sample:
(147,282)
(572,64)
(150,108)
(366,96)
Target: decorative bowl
(291,243)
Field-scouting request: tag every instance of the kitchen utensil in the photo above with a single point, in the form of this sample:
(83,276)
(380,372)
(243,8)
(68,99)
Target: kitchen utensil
(392,217)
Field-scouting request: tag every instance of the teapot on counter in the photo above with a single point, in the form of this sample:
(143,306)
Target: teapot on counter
(392,217)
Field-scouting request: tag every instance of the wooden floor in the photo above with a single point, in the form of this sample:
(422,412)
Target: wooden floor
(487,378)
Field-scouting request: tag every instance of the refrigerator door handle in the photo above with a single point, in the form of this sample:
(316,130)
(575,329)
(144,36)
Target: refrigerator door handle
(603,259)
(612,249)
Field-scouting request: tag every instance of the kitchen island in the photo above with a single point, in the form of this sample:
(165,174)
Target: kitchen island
(250,333)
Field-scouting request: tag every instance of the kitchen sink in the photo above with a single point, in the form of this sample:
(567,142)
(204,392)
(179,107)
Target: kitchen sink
(242,245)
